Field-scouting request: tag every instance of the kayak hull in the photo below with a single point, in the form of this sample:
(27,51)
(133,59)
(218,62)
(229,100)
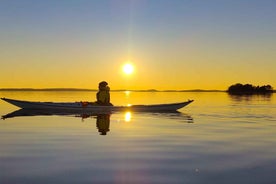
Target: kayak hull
(86,106)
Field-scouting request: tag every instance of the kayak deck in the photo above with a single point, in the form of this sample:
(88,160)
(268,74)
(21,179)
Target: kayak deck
(88,106)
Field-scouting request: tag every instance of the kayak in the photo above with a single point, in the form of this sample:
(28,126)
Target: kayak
(90,106)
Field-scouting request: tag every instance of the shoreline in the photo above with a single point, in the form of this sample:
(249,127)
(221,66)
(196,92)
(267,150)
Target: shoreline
(115,90)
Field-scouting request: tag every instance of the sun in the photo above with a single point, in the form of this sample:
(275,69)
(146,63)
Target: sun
(128,68)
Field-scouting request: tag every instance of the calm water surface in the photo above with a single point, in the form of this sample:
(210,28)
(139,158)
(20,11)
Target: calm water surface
(216,139)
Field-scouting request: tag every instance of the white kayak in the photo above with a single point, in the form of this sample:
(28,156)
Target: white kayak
(89,106)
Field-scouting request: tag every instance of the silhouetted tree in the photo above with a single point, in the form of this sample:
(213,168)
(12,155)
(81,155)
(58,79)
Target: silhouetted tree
(249,89)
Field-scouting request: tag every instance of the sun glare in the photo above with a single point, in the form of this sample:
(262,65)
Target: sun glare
(128,68)
(128,116)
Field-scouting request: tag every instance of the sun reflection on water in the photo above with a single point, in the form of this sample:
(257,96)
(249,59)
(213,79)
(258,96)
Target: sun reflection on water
(128,116)
(127,93)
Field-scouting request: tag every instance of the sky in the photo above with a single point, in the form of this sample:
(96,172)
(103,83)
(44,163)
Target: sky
(172,44)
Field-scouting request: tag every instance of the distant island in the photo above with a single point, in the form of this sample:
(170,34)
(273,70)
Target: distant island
(249,89)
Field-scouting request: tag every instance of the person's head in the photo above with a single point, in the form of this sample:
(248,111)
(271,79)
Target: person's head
(102,85)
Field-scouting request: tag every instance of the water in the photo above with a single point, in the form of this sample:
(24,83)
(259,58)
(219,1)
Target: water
(215,139)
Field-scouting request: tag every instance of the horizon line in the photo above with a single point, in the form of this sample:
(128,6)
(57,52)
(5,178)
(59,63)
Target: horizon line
(114,90)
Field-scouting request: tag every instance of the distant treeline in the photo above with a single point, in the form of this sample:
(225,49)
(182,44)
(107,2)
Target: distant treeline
(46,89)
(116,90)
(249,89)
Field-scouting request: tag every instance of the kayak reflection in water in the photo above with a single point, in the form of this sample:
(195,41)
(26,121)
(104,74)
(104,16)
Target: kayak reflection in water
(103,122)
(103,95)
